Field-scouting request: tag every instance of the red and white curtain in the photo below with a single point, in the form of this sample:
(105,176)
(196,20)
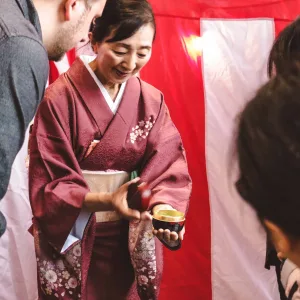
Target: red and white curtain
(209,58)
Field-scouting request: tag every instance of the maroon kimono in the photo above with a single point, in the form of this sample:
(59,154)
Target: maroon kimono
(140,136)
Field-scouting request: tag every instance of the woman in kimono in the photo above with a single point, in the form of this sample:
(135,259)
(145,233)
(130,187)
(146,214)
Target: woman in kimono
(268,148)
(97,125)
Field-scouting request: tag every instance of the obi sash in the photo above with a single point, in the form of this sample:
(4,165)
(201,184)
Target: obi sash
(98,181)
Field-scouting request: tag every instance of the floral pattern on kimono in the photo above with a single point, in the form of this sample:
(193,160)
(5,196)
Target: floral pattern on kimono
(59,274)
(143,249)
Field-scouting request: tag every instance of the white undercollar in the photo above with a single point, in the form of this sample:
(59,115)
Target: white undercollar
(113,105)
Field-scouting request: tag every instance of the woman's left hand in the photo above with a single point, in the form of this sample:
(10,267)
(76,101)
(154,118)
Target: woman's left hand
(166,234)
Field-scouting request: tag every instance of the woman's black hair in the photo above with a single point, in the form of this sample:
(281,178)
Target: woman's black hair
(268,149)
(285,47)
(123,18)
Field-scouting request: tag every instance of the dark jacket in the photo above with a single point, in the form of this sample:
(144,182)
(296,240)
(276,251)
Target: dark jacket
(23,75)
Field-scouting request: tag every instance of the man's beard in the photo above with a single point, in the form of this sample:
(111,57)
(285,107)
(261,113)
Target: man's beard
(64,40)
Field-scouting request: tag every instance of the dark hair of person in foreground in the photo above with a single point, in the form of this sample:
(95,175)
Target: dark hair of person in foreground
(286,47)
(268,149)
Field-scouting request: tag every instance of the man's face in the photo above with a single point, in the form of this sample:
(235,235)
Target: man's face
(76,28)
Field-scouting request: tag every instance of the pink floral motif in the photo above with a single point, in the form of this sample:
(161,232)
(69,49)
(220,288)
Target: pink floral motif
(65,274)
(61,273)
(51,276)
(77,250)
(60,264)
(72,282)
(142,130)
(142,248)
(152,264)
(142,279)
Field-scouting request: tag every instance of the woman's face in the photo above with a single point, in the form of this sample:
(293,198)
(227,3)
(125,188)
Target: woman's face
(117,62)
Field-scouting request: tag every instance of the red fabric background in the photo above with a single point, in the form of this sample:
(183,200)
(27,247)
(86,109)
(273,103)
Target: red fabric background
(187,272)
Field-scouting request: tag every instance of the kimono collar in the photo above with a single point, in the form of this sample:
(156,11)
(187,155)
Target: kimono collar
(94,100)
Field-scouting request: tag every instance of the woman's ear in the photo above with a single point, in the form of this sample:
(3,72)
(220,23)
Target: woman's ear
(93,43)
(91,37)
(280,240)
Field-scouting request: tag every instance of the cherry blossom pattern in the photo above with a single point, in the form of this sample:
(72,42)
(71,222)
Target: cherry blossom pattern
(142,247)
(142,130)
(60,276)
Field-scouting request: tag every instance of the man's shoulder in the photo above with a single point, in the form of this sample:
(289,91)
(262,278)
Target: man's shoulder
(14,24)
(23,55)
(23,63)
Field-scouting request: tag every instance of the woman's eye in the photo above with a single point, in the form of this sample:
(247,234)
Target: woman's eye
(119,53)
(141,55)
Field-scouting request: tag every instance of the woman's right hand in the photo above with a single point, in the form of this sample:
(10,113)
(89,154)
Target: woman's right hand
(120,204)
(117,201)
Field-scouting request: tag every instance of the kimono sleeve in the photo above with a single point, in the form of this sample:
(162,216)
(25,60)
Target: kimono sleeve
(165,168)
(56,185)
